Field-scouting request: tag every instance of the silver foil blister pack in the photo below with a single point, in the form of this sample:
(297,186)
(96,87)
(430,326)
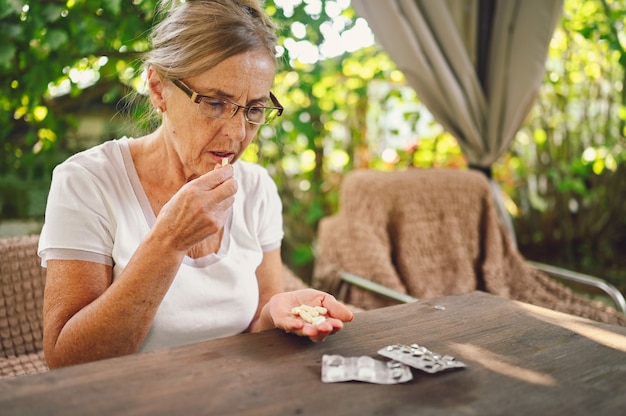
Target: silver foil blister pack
(337,368)
(420,357)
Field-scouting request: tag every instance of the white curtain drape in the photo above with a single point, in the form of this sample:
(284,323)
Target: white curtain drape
(475,64)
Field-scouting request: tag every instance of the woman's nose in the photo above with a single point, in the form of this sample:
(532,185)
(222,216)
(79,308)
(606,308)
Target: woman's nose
(236,126)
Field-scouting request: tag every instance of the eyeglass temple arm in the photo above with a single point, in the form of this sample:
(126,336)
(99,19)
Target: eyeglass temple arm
(188,91)
(276,103)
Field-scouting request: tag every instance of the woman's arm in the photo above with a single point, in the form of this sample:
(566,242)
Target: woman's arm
(270,281)
(88,317)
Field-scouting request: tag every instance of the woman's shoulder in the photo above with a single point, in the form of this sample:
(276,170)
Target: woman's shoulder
(256,182)
(252,175)
(248,171)
(106,155)
(250,167)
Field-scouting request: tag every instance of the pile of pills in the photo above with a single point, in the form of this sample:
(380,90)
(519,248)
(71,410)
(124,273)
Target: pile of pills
(311,314)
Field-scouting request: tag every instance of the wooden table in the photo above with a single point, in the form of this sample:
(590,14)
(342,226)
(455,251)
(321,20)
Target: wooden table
(521,360)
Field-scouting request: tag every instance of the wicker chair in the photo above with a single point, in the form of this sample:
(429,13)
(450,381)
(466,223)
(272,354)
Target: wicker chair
(22,282)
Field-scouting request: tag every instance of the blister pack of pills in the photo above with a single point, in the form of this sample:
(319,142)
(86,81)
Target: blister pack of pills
(336,368)
(420,357)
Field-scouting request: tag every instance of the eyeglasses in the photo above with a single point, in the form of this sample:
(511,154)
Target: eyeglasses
(224,109)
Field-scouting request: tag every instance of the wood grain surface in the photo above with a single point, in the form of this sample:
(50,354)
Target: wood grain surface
(521,360)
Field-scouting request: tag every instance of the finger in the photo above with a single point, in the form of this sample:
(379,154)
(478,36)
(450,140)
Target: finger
(292,325)
(223,190)
(215,177)
(317,333)
(331,324)
(337,309)
(301,328)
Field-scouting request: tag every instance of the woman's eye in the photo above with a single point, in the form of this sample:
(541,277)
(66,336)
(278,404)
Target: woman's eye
(213,103)
(256,111)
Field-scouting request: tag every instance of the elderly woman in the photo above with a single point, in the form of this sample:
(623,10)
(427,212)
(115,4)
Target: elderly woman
(170,238)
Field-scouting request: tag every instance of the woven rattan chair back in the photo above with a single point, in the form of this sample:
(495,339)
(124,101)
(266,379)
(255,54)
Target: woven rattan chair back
(22,281)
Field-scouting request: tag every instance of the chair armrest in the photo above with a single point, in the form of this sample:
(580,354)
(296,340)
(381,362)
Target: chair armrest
(585,279)
(352,279)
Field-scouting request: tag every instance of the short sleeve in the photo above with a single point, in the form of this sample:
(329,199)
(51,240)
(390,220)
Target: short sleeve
(271,217)
(261,203)
(78,216)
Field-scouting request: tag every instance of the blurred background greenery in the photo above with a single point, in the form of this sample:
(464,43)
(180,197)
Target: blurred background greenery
(67,68)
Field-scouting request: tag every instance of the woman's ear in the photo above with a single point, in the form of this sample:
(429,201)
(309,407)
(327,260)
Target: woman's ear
(155,87)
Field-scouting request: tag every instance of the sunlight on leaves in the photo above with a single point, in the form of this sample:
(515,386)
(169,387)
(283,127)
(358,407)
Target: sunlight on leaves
(338,160)
(40,112)
(47,135)
(307,161)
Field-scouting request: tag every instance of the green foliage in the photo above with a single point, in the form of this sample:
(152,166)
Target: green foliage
(320,135)
(56,54)
(567,170)
(344,110)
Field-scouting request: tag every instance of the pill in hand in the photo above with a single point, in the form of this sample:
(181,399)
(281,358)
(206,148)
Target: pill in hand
(318,320)
(310,314)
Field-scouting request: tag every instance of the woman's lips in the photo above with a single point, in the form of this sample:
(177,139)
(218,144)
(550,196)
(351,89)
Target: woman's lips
(223,155)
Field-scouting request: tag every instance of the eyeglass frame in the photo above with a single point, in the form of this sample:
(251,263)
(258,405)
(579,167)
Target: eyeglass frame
(197,98)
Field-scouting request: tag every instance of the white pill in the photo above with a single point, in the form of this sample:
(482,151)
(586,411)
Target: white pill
(318,320)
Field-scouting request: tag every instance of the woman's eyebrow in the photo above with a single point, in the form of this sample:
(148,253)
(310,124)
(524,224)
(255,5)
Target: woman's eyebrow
(217,93)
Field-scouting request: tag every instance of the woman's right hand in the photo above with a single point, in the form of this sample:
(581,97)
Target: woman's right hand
(199,208)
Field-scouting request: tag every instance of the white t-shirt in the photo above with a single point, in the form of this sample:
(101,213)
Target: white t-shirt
(98,211)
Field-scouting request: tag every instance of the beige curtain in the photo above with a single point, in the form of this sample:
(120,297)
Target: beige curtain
(476,64)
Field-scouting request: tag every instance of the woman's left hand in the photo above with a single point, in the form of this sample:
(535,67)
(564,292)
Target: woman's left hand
(280,310)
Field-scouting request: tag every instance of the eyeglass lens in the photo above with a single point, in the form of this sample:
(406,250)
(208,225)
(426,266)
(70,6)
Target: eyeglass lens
(215,108)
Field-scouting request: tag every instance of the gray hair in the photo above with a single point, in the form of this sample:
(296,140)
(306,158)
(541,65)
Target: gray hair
(196,35)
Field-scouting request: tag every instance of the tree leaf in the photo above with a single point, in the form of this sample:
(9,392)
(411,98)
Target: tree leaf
(56,38)
(7,52)
(113,6)
(52,12)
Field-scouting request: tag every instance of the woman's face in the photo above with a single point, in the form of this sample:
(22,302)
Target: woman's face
(201,142)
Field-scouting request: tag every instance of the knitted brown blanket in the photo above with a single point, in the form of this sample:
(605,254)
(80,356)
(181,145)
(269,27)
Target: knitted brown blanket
(429,233)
